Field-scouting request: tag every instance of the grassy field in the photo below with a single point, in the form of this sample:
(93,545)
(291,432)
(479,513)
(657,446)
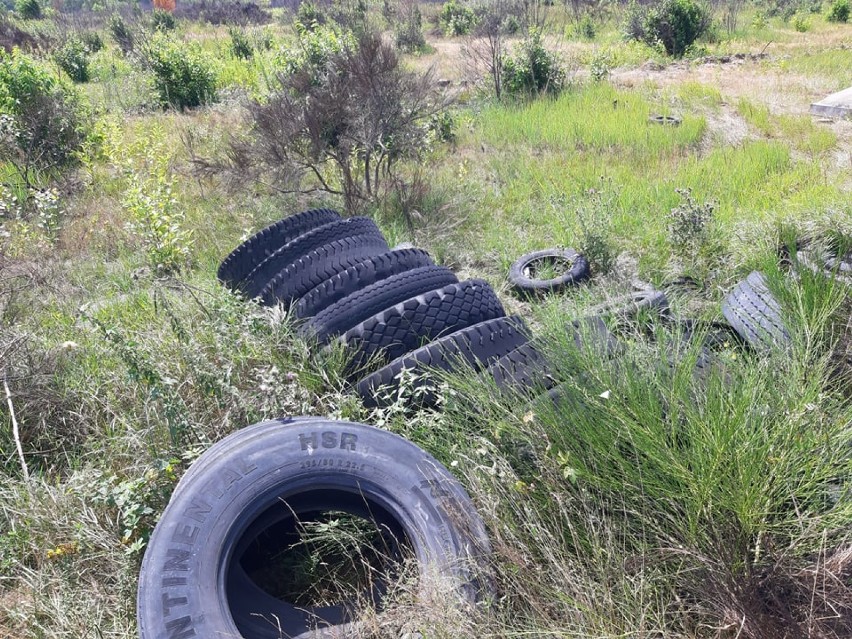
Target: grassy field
(647,503)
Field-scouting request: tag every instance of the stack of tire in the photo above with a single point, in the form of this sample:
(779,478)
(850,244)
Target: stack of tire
(394,309)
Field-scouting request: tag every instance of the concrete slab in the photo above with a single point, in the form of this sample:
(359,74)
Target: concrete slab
(836,105)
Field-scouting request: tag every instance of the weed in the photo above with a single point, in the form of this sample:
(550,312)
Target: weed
(594,214)
(240,45)
(122,34)
(801,22)
(409,29)
(163,20)
(600,66)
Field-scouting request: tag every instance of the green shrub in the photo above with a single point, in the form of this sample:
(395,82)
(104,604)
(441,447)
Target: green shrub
(162,20)
(73,58)
(633,25)
(309,16)
(801,22)
(456,18)
(43,124)
(310,57)
(839,11)
(28,9)
(676,25)
(121,34)
(183,76)
(532,68)
(586,28)
(92,40)
(409,31)
(240,45)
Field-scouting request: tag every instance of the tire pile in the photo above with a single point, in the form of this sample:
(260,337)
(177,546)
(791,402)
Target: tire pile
(393,308)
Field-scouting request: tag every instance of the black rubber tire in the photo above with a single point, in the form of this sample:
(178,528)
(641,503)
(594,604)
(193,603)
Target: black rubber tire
(665,120)
(524,368)
(826,263)
(524,282)
(357,276)
(296,279)
(476,346)
(630,304)
(266,271)
(755,314)
(355,308)
(192,584)
(409,324)
(243,259)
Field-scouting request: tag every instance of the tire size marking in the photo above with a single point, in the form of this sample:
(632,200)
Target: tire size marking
(329,462)
(310,442)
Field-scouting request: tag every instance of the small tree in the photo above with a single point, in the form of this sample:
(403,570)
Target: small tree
(183,75)
(839,11)
(532,68)
(676,24)
(28,9)
(342,130)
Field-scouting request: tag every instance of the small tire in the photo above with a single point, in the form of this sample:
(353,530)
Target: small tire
(193,581)
(476,346)
(408,325)
(522,272)
(355,308)
(298,278)
(755,314)
(827,263)
(266,271)
(632,303)
(243,259)
(358,276)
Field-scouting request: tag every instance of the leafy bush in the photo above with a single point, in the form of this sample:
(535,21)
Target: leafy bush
(456,18)
(28,9)
(315,50)
(801,22)
(409,30)
(310,15)
(633,25)
(183,75)
(532,68)
(121,34)
(73,58)
(839,11)
(92,40)
(162,20)
(586,28)
(676,24)
(240,45)
(43,123)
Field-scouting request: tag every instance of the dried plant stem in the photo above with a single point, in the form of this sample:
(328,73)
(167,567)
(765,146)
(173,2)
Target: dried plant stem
(15,433)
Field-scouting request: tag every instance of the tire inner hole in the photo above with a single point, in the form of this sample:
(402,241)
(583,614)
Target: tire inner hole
(548,268)
(321,556)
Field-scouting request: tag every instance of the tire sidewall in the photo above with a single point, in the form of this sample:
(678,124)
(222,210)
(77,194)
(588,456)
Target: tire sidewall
(182,579)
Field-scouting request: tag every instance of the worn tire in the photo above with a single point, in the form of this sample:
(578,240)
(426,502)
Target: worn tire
(524,281)
(827,263)
(193,582)
(408,325)
(632,303)
(358,276)
(243,259)
(355,308)
(755,314)
(523,369)
(301,276)
(476,346)
(266,271)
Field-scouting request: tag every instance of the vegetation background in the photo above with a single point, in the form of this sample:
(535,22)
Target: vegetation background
(138,146)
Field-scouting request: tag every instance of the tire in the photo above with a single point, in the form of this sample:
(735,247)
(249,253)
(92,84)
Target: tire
(827,263)
(476,346)
(299,277)
(194,580)
(632,303)
(755,314)
(358,276)
(355,308)
(266,271)
(409,324)
(522,275)
(523,369)
(243,259)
